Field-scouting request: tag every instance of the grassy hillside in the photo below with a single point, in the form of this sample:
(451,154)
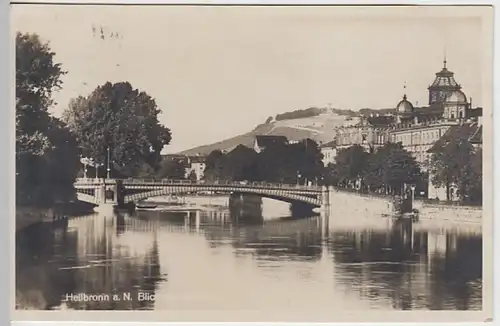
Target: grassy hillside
(316,124)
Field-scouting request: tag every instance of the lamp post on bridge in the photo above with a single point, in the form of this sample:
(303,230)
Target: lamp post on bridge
(97,165)
(109,164)
(86,162)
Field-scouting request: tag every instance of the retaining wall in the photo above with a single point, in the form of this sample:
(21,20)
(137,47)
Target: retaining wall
(357,204)
(352,204)
(450,213)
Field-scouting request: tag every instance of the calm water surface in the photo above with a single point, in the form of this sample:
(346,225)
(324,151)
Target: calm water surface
(216,260)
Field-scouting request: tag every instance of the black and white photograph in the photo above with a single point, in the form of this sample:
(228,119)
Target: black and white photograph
(253,163)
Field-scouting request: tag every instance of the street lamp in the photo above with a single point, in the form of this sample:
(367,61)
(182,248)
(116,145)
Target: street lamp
(109,164)
(85,161)
(412,193)
(97,165)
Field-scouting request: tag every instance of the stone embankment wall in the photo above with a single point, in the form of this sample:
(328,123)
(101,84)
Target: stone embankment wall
(350,204)
(354,204)
(449,212)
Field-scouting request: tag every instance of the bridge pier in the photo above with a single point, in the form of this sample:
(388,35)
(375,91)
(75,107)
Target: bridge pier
(105,209)
(325,199)
(197,221)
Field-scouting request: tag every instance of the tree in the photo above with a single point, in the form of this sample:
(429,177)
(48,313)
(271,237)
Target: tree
(172,169)
(350,165)
(308,159)
(456,164)
(390,168)
(46,152)
(474,189)
(121,118)
(214,166)
(37,77)
(276,163)
(239,163)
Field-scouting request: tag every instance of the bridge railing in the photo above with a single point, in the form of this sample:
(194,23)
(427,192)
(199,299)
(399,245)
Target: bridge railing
(132,181)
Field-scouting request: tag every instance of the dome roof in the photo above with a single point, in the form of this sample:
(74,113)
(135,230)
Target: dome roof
(404,106)
(456,96)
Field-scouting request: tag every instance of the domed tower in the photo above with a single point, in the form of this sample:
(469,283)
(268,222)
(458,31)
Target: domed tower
(404,110)
(404,106)
(455,105)
(444,84)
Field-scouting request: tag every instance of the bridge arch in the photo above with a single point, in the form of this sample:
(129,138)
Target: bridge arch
(284,195)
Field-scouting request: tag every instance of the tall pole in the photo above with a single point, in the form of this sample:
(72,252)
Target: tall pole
(109,164)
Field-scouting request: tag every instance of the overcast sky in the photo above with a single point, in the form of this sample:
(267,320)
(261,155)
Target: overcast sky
(219,71)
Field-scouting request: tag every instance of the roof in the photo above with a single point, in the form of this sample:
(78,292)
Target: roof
(445,79)
(404,105)
(266,140)
(197,159)
(471,132)
(192,158)
(173,156)
(331,144)
(381,120)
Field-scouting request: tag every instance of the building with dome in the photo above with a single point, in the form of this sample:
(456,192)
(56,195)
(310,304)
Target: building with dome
(417,128)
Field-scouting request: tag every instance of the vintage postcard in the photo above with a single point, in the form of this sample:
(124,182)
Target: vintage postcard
(253,163)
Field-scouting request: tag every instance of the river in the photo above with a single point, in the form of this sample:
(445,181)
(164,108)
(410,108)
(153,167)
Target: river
(212,259)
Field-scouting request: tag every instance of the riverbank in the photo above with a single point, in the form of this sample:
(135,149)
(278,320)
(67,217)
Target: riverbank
(356,202)
(27,216)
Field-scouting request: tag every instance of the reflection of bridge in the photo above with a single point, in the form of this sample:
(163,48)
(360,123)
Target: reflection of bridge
(123,191)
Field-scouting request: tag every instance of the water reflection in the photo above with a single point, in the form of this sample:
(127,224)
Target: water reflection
(88,255)
(411,266)
(216,259)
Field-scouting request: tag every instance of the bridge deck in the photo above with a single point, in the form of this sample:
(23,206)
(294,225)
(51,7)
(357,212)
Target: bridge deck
(171,182)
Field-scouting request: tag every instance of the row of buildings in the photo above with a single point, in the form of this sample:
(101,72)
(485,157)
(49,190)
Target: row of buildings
(419,129)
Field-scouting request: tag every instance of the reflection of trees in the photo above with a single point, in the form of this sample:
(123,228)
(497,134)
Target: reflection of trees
(398,264)
(102,256)
(128,263)
(39,284)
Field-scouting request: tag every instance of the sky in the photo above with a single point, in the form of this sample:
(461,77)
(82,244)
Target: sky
(217,71)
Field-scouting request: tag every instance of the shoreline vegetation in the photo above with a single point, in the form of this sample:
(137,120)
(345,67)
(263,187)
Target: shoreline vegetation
(27,216)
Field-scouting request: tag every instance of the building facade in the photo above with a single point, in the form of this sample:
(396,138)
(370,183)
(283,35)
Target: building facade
(329,151)
(418,129)
(195,166)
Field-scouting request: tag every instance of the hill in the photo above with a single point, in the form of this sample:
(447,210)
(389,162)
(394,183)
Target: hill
(314,123)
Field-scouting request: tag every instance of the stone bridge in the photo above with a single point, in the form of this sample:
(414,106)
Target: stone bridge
(119,192)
